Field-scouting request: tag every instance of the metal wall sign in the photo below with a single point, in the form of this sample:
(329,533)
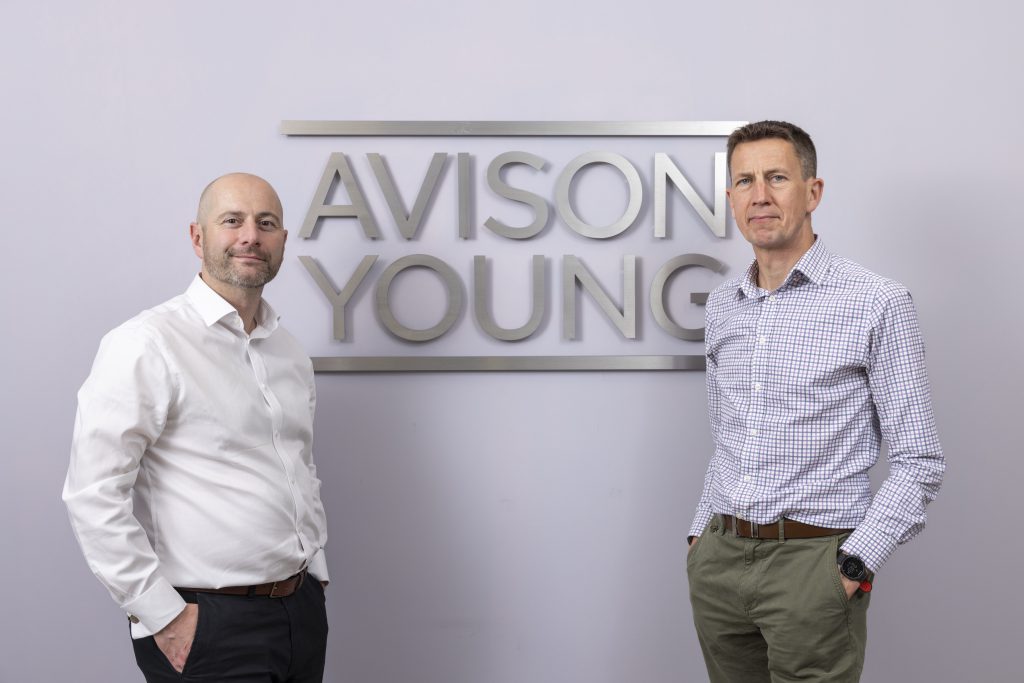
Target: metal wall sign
(341,176)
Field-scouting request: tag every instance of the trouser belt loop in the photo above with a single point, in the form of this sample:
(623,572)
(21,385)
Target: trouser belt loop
(782,530)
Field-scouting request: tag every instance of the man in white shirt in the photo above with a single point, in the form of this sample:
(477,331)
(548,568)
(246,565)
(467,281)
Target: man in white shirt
(192,489)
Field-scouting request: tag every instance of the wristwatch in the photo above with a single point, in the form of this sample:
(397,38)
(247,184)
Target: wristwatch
(852,567)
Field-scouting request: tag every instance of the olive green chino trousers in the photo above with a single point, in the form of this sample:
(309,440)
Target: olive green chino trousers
(775,611)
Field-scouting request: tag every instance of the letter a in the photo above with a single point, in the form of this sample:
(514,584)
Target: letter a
(338,168)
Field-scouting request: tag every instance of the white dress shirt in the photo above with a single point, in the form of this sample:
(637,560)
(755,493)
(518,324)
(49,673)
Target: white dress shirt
(191,463)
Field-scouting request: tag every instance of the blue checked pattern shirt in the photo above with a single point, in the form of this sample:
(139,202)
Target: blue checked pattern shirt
(803,384)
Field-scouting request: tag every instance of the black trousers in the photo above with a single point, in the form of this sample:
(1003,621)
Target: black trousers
(249,640)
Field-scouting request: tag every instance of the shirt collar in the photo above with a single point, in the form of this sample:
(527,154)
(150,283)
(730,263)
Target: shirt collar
(212,307)
(814,264)
(812,267)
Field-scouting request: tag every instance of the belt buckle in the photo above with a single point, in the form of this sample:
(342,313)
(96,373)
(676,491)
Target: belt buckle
(273,590)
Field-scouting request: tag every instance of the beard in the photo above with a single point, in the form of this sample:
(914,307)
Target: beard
(253,275)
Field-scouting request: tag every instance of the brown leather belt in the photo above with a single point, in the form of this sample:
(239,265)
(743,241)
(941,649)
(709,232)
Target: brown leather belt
(790,529)
(274,589)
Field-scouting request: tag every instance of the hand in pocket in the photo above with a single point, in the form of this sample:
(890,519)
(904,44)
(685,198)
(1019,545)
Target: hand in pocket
(175,639)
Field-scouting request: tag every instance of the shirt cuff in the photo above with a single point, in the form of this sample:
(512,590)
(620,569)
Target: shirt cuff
(155,608)
(872,552)
(318,566)
(700,523)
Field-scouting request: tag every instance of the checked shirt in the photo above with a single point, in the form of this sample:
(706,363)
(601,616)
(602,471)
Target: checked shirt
(803,385)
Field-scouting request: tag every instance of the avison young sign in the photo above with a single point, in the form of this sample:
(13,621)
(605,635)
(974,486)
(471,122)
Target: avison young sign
(666,176)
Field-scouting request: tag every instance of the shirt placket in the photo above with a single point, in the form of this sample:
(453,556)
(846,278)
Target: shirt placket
(751,470)
(259,368)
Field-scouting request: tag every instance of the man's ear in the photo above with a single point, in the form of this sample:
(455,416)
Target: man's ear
(817,187)
(195,234)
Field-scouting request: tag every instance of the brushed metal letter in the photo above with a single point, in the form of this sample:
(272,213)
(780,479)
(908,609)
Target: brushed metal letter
(564,206)
(664,170)
(671,267)
(465,196)
(408,223)
(339,300)
(482,301)
(455,304)
(337,167)
(503,189)
(574,271)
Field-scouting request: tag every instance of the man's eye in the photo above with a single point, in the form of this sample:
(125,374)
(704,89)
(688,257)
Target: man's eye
(778,178)
(743,181)
(231,221)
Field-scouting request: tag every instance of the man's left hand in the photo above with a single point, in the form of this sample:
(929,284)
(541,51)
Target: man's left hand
(850,586)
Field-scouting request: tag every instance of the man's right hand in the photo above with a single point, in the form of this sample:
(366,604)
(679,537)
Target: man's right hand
(175,639)
(693,542)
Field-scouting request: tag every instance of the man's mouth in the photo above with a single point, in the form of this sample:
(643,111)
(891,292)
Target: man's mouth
(246,256)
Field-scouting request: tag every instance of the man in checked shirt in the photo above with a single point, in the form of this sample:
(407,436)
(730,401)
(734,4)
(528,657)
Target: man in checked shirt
(812,360)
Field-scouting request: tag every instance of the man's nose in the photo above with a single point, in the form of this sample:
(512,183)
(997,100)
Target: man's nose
(760,192)
(249,232)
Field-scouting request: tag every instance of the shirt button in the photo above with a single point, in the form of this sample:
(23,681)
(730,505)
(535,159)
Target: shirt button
(757,386)
(772,298)
(746,478)
(753,432)
(132,618)
(761,340)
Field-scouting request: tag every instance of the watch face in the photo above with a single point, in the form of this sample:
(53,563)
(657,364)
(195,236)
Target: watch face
(852,568)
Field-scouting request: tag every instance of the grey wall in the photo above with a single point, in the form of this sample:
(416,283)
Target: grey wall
(512,527)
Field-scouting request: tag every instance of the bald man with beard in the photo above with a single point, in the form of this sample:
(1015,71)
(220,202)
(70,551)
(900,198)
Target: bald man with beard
(191,488)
